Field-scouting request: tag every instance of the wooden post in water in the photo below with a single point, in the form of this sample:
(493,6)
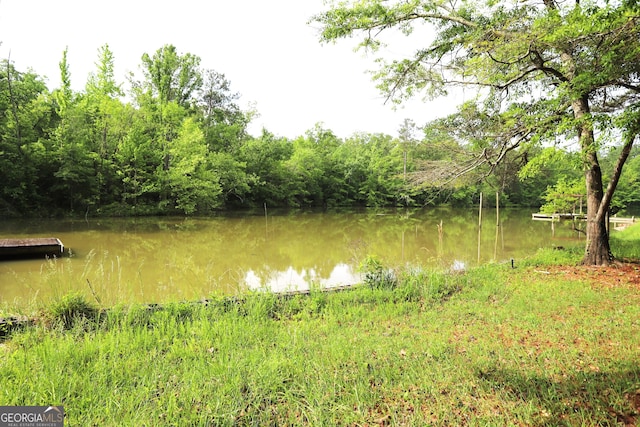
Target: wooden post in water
(440,239)
(580,205)
(479,226)
(266,221)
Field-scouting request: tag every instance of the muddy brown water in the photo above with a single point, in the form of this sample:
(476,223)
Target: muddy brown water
(163,259)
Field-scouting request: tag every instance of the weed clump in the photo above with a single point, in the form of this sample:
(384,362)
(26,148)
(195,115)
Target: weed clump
(376,275)
(69,310)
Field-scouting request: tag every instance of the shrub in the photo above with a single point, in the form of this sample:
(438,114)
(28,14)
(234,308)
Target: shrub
(376,275)
(68,310)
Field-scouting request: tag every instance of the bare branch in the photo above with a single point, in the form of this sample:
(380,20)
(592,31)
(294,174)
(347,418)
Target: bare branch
(441,173)
(629,86)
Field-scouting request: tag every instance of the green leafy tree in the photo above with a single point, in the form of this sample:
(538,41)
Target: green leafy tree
(628,193)
(331,182)
(305,171)
(224,126)
(407,141)
(166,97)
(26,114)
(236,184)
(547,69)
(373,168)
(137,160)
(566,196)
(546,168)
(75,184)
(155,127)
(108,122)
(64,94)
(170,76)
(103,81)
(316,176)
(224,123)
(629,197)
(265,158)
(195,187)
(351,160)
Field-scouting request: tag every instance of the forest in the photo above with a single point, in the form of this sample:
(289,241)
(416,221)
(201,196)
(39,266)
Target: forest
(176,142)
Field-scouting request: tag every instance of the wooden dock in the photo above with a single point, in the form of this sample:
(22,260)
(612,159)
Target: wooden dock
(558,217)
(31,247)
(621,223)
(618,222)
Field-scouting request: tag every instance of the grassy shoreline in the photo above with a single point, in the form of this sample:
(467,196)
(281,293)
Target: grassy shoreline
(493,346)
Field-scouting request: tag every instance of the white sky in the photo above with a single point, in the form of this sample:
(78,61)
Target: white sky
(266,49)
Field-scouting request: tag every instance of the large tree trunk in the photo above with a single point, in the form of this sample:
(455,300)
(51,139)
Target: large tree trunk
(597,250)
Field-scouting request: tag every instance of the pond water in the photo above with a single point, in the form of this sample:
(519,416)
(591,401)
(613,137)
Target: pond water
(153,260)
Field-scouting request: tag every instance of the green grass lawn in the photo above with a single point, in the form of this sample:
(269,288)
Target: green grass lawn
(626,244)
(489,347)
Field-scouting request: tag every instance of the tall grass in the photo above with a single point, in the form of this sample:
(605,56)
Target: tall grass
(492,346)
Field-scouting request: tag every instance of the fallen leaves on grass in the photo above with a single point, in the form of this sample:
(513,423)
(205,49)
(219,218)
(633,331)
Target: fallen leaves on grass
(615,275)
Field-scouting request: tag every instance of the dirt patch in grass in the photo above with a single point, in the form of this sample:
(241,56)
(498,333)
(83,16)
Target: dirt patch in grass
(615,275)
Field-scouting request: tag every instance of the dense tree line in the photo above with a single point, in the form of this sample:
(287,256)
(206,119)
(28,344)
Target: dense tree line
(179,144)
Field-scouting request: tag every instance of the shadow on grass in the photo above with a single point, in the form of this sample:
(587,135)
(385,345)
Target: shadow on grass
(584,398)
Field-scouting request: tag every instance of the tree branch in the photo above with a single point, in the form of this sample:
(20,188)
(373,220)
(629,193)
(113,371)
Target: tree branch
(539,62)
(629,86)
(615,177)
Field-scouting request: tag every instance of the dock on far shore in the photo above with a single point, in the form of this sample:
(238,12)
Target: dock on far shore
(31,247)
(558,217)
(618,222)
